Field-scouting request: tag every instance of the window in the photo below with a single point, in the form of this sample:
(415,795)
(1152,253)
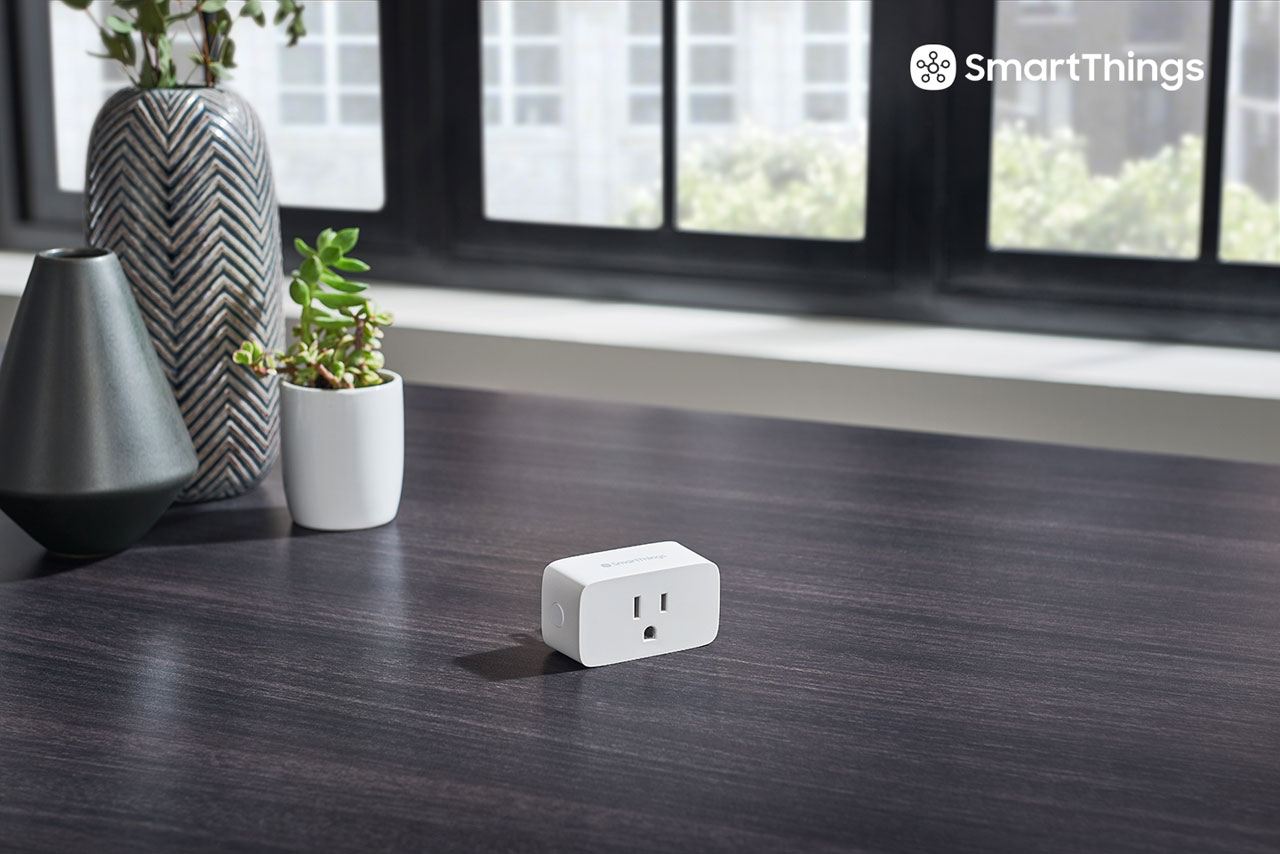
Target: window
(330,82)
(836,39)
(521,56)
(552,158)
(756,154)
(1251,185)
(709,71)
(782,152)
(1101,167)
(644,62)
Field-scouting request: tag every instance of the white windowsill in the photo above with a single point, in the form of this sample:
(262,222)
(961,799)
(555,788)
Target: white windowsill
(1205,401)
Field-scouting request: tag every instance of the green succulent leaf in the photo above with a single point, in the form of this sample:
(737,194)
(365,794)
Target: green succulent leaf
(347,287)
(336,339)
(299,292)
(346,240)
(311,269)
(120,25)
(340,300)
(351,265)
(209,6)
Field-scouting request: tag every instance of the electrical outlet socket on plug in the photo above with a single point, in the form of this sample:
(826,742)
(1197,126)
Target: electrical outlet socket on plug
(622,604)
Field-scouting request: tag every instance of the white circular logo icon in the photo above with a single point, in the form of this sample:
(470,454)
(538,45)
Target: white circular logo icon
(933,66)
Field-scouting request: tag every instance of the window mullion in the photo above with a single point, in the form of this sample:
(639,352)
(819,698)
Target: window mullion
(669,113)
(1215,128)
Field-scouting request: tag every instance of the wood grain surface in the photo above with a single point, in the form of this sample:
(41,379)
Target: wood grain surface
(927,644)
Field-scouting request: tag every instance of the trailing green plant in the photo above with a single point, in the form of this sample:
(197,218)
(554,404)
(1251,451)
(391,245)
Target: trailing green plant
(338,339)
(149,61)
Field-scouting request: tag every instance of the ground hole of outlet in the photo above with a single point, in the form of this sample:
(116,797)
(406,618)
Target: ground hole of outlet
(650,633)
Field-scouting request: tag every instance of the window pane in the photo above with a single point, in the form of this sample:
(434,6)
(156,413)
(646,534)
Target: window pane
(535,17)
(302,64)
(360,109)
(579,142)
(491,17)
(711,109)
(646,17)
(646,110)
(710,17)
(359,65)
(826,63)
(1251,178)
(1109,167)
(299,109)
(288,88)
(537,66)
(358,17)
(826,107)
(774,145)
(826,16)
(492,66)
(538,110)
(711,64)
(646,65)
(492,109)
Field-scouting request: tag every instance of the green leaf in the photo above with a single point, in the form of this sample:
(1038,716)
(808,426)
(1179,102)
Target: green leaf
(330,254)
(347,287)
(340,300)
(333,322)
(229,53)
(347,238)
(151,19)
(288,6)
(351,265)
(303,249)
(311,269)
(296,29)
(79,5)
(299,292)
(251,9)
(148,79)
(213,6)
(326,237)
(119,47)
(120,25)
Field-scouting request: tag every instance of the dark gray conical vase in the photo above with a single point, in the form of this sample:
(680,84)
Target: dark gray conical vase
(92,445)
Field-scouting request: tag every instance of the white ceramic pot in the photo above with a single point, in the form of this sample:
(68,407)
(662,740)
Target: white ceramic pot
(343,454)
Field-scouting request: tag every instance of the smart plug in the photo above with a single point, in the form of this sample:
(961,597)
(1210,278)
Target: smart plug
(607,607)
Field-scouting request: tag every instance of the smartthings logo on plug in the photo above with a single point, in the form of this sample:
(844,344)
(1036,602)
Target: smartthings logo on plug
(933,66)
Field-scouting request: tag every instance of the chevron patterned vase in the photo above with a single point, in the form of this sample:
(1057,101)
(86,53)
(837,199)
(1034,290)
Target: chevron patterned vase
(179,186)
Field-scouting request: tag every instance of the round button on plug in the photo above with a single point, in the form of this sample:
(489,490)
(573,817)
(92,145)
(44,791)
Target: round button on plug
(557,614)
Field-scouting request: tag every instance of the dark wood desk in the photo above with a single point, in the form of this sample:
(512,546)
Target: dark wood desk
(927,643)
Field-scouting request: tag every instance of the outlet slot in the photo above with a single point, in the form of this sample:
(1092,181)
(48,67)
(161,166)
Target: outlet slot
(662,603)
(635,609)
(650,633)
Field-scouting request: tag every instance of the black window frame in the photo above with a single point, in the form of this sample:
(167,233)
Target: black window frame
(924,258)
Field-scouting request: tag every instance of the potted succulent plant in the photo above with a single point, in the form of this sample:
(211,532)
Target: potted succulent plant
(189,159)
(342,411)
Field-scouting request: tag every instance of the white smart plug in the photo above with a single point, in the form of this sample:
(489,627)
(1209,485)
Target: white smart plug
(607,607)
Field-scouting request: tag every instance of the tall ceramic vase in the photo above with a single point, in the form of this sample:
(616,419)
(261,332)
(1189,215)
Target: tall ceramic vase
(92,447)
(179,186)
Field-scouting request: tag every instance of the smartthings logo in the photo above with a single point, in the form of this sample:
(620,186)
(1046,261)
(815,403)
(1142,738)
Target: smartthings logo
(933,67)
